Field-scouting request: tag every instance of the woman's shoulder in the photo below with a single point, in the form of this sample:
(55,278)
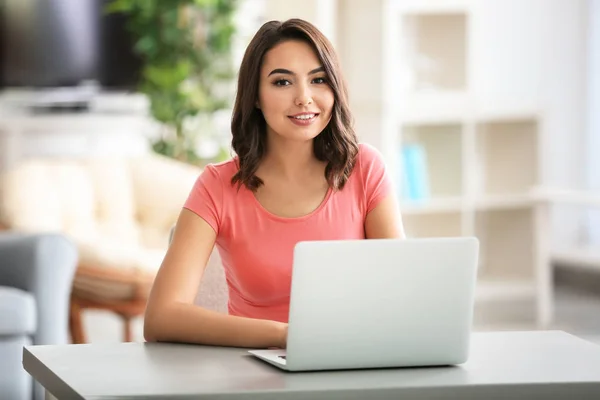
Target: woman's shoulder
(224,168)
(368,154)
(368,160)
(222,171)
(217,176)
(369,166)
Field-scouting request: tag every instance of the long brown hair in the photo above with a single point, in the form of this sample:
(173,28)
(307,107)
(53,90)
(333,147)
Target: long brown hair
(337,144)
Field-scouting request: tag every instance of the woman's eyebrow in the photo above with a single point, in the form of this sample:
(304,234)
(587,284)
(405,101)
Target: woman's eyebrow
(288,72)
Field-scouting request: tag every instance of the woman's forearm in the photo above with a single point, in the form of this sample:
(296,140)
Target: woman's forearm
(193,324)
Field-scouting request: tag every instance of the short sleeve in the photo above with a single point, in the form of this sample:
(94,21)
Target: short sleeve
(376,180)
(206,197)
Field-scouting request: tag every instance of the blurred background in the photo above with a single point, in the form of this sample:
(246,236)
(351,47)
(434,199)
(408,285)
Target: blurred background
(487,113)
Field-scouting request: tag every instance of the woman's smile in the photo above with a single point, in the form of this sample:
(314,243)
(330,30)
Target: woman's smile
(304,119)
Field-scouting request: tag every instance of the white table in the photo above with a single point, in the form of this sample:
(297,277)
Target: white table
(516,365)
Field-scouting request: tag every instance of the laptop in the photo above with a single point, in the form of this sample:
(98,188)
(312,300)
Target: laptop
(379,303)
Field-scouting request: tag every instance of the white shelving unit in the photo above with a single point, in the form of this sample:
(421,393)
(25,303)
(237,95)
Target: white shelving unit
(461,79)
(482,162)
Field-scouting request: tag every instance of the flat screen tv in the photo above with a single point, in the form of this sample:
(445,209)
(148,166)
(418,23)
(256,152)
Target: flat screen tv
(62,43)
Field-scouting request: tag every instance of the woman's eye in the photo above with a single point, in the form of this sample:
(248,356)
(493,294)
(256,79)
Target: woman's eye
(320,80)
(282,82)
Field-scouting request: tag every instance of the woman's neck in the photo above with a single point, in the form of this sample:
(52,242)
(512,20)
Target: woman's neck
(290,159)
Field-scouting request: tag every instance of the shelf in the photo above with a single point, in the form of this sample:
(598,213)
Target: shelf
(491,291)
(441,173)
(435,107)
(507,244)
(575,198)
(433,225)
(434,47)
(506,202)
(512,112)
(462,92)
(83,123)
(432,6)
(433,206)
(463,204)
(507,157)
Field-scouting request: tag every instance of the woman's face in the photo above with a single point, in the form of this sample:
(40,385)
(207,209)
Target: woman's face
(294,94)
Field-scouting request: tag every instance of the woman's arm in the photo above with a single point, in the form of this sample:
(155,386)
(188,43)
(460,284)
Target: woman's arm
(171,314)
(384,221)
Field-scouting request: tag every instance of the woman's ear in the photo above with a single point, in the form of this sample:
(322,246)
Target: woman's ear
(257,105)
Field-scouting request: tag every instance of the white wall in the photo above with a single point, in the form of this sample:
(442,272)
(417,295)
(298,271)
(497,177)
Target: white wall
(360,49)
(563,93)
(506,51)
(248,18)
(593,114)
(321,13)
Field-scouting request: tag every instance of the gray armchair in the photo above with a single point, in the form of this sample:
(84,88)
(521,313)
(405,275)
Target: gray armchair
(36,275)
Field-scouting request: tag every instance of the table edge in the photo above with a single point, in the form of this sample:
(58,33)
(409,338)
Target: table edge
(47,378)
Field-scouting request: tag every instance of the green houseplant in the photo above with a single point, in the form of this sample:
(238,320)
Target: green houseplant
(185,49)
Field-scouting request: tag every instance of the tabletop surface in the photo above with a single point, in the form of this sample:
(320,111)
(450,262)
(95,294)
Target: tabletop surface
(157,370)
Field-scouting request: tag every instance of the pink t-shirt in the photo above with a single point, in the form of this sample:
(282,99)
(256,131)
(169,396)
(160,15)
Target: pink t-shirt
(256,246)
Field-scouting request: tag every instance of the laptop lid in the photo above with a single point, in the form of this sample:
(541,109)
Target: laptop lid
(381,303)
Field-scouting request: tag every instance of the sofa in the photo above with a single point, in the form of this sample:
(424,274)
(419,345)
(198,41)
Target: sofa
(36,276)
(118,211)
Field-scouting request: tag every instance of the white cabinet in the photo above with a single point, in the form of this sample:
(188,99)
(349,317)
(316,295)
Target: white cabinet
(72,135)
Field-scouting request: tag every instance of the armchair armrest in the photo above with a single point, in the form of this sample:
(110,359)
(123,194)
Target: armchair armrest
(43,265)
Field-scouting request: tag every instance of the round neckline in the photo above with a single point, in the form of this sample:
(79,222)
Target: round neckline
(291,219)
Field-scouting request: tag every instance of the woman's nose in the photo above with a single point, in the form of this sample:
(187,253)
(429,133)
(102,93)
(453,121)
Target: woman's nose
(304,96)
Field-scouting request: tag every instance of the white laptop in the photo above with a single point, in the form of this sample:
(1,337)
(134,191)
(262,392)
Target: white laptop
(379,303)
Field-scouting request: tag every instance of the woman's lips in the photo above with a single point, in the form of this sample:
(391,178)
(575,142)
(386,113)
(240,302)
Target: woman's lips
(304,119)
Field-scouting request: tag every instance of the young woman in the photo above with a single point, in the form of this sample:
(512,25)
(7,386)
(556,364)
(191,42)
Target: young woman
(298,174)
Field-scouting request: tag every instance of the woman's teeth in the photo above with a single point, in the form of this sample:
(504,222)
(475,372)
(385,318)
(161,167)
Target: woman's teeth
(306,116)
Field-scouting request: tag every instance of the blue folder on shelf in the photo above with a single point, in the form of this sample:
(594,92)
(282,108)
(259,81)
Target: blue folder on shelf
(415,178)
